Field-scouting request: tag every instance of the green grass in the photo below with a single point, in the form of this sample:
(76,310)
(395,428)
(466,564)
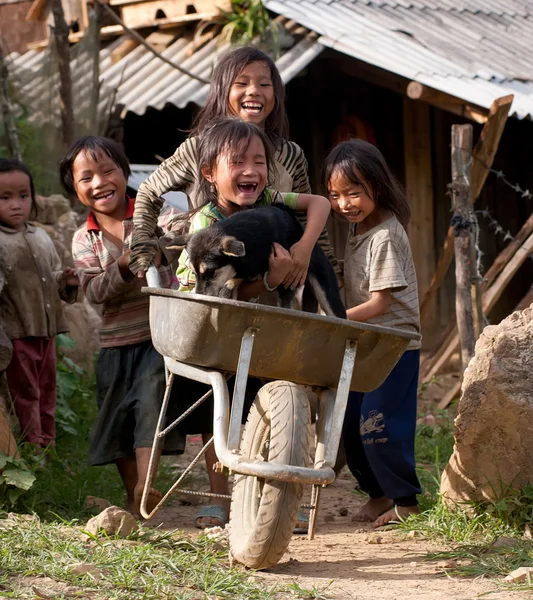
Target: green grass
(469,534)
(433,448)
(149,564)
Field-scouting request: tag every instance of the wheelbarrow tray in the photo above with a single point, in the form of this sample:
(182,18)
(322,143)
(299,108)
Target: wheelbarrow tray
(289,345)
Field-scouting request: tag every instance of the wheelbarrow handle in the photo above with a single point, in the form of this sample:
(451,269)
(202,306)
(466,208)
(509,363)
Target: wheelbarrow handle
(152,277)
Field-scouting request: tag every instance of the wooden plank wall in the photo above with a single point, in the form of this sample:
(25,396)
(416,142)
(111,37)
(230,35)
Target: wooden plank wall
(15,31)
(419,192)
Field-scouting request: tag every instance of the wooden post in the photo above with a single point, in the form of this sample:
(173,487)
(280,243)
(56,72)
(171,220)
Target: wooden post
(462,223)
(7,111)
(95,22)
(490,297)
(419,193)
(60,31)
(438,358)
(484,154)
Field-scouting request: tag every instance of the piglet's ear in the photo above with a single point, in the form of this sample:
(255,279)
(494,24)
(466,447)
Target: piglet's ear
(232,246)
(178,243)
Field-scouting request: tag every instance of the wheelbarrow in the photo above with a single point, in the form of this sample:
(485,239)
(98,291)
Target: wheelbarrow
(208,339)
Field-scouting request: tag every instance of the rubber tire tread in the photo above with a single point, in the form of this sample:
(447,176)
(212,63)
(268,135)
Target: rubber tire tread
(261,529)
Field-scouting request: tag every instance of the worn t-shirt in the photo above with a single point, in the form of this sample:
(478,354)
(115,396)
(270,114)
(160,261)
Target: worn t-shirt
(210,214)
(381,259)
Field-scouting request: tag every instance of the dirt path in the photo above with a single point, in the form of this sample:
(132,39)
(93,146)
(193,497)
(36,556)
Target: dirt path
(361,563)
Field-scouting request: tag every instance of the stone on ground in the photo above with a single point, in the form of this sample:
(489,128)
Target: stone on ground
(520,574)
(112,521)
(494,427)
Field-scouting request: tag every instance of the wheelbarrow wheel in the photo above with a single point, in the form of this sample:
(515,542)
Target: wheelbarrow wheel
(264,512)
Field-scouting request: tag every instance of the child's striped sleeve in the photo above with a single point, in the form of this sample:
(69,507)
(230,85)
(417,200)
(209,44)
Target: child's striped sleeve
(185,273)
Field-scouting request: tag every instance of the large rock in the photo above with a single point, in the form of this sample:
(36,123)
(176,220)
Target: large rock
(494,428)
(50,208)
(8,422)
(84,323)
(55,216)
(6,351)
(61,233)
(6,348)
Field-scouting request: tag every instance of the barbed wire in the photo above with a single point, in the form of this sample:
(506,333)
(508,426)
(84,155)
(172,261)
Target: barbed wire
(495,226)
(514,186)
(505,234)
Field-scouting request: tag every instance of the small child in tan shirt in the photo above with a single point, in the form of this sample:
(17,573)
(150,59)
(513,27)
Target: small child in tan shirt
(380,288)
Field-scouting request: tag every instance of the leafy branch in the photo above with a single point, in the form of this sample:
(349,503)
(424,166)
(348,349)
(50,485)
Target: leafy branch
(246,21)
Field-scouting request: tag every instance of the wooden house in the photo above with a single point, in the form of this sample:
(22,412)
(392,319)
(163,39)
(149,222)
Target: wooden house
(398,73)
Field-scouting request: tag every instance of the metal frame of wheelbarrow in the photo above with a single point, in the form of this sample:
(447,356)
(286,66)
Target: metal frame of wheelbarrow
(227,428)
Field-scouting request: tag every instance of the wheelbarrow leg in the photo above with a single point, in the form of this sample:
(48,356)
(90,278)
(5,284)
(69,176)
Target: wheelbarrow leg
(152,469)
(326,402)
(332,407)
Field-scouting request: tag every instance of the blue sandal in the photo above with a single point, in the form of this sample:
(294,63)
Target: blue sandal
(303,519)
(212,511)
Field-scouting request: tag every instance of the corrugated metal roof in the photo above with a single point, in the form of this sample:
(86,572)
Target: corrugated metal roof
(476,50)
(143,80)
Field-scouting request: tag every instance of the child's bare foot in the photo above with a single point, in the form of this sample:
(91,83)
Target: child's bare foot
(395,514)
(372,509)
(154,496)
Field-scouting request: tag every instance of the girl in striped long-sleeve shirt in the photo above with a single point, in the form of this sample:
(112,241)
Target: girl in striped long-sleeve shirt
(246,83)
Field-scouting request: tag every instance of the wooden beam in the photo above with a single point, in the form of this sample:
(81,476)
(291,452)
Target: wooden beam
(35,12)
(490,298)
(419,91)
(373,75)
(419,191)
(7,2)
(142,41)
(123,49)
(527,300)
(453,104)
(507,253)
(437,359)
(452,394)
(483,157)
(493,294)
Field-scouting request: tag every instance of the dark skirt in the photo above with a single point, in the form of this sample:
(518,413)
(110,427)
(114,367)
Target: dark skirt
(130,382)
(185,392)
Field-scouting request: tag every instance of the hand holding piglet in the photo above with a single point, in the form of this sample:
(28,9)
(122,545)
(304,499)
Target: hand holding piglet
(301,255)
(279,265)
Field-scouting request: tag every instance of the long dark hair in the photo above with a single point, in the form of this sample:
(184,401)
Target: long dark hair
(225,135)
(363,164)
(11,165)
(227,70)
